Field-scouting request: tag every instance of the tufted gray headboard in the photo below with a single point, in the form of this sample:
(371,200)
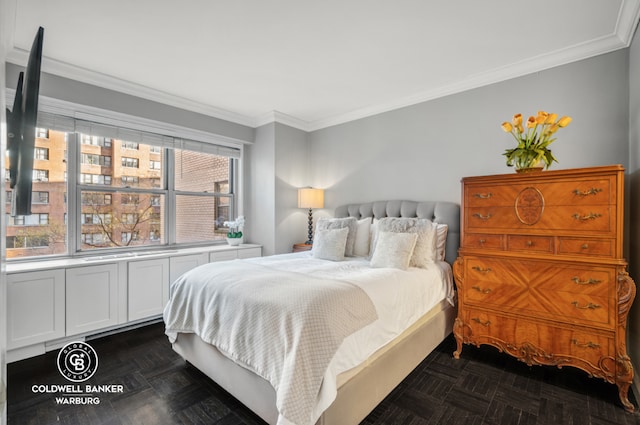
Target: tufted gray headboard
(440,212)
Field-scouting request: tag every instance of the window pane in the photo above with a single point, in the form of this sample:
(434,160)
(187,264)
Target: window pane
(117,219)
(118,163)
(201,172)
(44,232)
(200,218)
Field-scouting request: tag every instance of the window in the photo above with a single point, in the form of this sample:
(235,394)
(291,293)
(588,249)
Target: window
(130,145)
(41,153)
(130,180)
(125,204)
(95,141)
(95,239)
(94,159)
(86,178)
(18,242)
(127,237)
(96,199)
(201,185)
(41,175)
(39,197)
(99,218)
(42,133)
(44,232)
(129,162)
(130,199)
(29,220)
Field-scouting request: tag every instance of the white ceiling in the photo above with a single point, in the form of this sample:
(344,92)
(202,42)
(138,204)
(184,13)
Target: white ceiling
(311,64)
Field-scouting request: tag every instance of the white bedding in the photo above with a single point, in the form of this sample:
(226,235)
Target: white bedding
(400,298)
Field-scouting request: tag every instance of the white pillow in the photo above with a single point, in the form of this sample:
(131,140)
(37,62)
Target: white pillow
(363,238)
(329,244)
(394,250)
(338,223)
(441,240)
(425,249)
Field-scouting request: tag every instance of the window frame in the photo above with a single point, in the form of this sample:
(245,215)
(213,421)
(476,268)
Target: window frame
(167,192)
(73,119)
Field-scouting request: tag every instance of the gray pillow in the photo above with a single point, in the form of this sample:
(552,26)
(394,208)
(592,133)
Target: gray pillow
(350,223)
(329,244)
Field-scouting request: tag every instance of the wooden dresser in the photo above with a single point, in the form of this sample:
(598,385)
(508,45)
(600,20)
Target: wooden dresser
(540,272)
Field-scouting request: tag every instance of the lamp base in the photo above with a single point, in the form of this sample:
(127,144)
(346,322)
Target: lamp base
(310,235)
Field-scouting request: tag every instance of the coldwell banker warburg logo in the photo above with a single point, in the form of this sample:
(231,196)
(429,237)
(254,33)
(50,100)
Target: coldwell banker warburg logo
(77,362)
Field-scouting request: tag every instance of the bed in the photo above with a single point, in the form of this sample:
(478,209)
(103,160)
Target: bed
(352,385)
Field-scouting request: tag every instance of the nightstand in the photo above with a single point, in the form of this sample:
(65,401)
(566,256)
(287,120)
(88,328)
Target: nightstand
(302,247)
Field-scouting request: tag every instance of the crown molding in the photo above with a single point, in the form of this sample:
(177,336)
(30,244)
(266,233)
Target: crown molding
(52,66)
(282,118)
(621,37)
(625,28)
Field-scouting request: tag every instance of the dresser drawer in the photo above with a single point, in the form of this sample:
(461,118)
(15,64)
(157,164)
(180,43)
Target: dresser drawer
(540,289)
(530,243)
(572,220)
(483,195)
(597,281)
(588,247)
(560,344)
(482,241)
(578,192)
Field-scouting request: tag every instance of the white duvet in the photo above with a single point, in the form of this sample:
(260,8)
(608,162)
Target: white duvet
(400,298)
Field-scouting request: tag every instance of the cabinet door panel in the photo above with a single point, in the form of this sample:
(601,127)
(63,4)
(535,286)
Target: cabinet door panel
(223,255)
(91,297)
(35,307)
(180,265)
(249,252)
(148,288)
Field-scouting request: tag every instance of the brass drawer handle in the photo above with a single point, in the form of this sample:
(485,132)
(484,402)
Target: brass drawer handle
(590,216)
(480,322)
(589,306)
(584,246)
(482,217)
(483,195)
(482,291)
(480,269)
(585,344)
(591,281)
(592,191)
(529,243)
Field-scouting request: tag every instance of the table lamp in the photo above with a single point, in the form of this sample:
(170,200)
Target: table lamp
(310,198)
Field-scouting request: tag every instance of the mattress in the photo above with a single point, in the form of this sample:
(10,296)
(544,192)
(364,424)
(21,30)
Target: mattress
(418,291)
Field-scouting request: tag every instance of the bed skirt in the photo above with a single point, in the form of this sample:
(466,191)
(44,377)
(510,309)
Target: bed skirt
(360,389)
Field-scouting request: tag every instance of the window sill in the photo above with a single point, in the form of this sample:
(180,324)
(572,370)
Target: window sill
(26,266)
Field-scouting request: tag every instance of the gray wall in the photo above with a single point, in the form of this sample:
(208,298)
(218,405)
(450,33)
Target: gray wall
(422,151)
(634,201)
(277,165)
(259,192)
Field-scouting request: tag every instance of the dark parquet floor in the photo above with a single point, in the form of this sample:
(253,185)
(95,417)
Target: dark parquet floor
(483,387)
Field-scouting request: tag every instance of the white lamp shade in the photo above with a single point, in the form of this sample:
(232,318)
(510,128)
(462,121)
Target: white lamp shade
(310,198)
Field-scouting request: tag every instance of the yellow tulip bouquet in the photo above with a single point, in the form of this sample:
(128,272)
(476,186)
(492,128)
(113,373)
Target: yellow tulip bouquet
(533,144)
